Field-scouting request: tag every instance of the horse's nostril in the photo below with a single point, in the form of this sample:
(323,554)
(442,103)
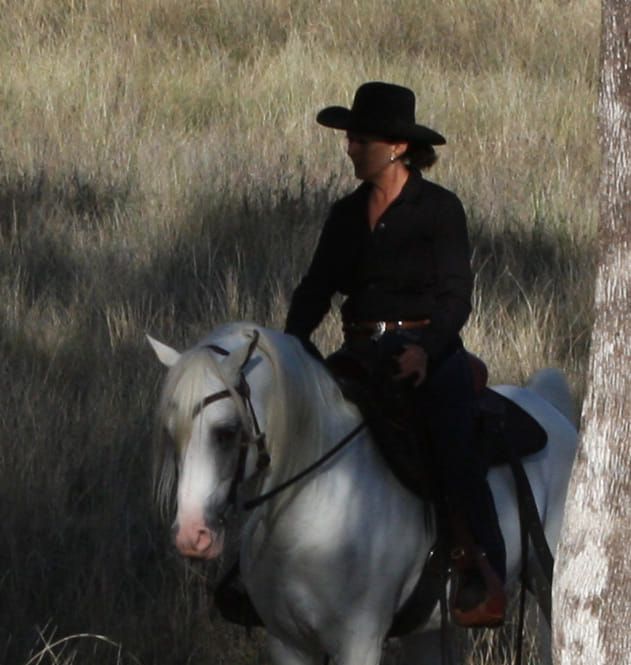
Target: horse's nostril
(204,539)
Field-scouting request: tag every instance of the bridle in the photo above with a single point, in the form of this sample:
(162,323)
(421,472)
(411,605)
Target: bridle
(256,437)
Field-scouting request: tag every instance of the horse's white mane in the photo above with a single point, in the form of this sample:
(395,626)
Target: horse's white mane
(301,416)
(184,384)
(307,412)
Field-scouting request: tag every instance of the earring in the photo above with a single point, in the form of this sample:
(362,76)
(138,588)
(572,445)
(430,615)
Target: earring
(393,156)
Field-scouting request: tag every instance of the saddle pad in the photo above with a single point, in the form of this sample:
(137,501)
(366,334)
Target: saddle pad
(504,429)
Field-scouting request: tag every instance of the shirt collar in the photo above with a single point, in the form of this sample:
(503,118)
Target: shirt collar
(413,185)
(410,191)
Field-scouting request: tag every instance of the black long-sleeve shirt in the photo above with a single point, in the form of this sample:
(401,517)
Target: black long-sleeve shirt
(414,265)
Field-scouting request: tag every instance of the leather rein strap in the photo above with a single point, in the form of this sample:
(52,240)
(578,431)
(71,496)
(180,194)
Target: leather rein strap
(258,439)
(254,503)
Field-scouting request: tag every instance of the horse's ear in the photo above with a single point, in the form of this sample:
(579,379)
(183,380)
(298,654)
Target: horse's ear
(166,355)
(238,358)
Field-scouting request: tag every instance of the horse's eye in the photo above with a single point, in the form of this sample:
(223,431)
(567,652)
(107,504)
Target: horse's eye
(225,435)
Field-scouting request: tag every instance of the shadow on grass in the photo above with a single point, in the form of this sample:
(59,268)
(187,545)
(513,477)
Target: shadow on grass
(27,197)
(82,548)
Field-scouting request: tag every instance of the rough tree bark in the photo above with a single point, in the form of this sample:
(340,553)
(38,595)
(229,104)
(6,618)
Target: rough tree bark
(592,586)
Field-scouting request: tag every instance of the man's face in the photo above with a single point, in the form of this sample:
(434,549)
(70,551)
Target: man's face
(371,155)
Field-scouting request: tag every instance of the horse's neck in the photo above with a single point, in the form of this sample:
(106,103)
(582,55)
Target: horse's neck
(307,417)
(315,422)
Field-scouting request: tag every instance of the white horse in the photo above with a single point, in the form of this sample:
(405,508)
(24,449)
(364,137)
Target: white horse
(329,560)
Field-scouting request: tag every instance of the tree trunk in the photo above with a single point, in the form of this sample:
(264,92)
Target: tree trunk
(592,585)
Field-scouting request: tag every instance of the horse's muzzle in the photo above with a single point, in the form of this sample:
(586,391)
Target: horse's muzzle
(199,541)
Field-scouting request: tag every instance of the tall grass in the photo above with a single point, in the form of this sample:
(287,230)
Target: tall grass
(161,171)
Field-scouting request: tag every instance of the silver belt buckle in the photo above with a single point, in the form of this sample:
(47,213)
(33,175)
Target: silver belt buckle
(380,328)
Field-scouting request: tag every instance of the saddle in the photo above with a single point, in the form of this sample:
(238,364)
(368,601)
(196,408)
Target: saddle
(503,430)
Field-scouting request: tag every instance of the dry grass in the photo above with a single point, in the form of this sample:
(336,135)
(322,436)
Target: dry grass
(161,170)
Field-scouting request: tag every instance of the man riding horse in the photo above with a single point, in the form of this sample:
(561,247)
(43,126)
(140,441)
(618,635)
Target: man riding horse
(397,248)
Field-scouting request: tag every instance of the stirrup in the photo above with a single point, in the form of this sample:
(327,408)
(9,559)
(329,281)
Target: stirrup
(477,598)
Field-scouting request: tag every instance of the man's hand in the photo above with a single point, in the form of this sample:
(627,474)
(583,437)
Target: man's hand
(413,361)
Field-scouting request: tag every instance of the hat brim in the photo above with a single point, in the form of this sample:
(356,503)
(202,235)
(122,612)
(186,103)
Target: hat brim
(338,117)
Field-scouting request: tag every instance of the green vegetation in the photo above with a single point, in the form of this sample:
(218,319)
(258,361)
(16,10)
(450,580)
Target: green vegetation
(161,171)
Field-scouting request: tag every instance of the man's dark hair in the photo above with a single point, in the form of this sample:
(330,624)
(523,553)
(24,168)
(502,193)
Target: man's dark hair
(421,156)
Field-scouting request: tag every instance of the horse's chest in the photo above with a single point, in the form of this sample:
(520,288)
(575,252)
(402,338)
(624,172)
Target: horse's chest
(285,597)
(297,589)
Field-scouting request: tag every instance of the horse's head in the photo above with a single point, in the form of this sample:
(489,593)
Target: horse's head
(206,436)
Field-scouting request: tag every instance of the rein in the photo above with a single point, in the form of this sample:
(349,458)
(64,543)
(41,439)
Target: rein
(254,503)
(258,439)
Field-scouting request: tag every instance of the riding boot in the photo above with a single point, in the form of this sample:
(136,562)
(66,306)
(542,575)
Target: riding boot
(486,529)
(477,597)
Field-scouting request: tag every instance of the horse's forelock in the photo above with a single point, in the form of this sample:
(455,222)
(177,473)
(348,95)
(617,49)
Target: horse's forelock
(184,384)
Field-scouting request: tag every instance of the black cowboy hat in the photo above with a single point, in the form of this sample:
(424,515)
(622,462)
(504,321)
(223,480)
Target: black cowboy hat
(381,109)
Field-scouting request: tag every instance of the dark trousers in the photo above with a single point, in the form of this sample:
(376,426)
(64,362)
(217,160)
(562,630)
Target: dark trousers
(446,408)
